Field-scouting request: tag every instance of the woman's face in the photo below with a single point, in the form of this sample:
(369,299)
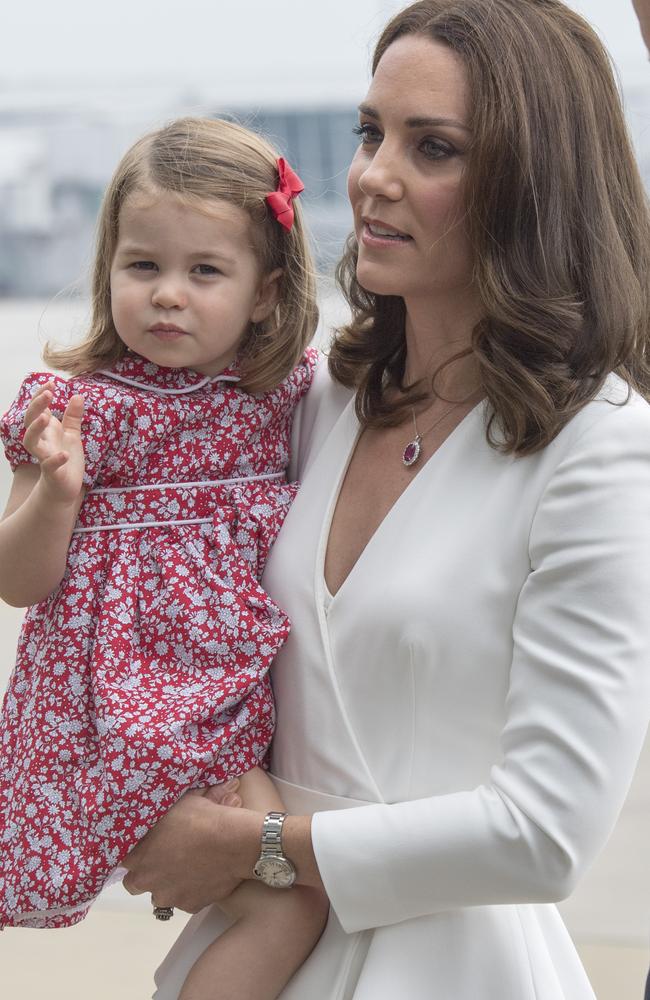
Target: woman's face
(406,179)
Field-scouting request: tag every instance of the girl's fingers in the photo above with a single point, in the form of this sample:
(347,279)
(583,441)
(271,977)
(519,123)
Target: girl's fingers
(73,415)
(38,405)
(34,430)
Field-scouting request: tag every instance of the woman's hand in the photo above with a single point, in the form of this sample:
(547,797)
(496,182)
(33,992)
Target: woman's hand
(56,444)
(198,853)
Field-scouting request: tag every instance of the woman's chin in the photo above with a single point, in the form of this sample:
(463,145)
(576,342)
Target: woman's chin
(378,284)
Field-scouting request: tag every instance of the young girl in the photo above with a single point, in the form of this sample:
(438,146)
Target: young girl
(148,488)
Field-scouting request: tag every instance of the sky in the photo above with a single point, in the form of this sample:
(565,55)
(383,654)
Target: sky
(298,51)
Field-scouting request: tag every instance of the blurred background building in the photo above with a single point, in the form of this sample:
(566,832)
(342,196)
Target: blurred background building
(58,149)
(57,157)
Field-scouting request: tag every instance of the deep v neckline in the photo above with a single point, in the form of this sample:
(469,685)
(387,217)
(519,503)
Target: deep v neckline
(353,433)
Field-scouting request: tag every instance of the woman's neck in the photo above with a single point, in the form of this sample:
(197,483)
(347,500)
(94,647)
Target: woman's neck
(435,333)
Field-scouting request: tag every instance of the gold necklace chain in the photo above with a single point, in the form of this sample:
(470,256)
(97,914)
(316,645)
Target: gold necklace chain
(435,423)
(413,449)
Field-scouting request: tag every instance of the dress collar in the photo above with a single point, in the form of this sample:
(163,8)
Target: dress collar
(135,370)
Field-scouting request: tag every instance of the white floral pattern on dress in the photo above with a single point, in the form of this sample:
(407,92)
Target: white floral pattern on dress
(145,672)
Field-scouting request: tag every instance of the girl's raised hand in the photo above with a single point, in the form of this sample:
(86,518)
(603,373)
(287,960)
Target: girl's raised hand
(56,444)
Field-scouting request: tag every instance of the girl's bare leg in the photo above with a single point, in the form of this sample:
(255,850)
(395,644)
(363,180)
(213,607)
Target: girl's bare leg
(274,930)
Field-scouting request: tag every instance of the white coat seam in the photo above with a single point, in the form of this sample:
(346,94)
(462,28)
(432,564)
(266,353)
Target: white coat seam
(413,721)
(516,916)
(319,588)
(344,969)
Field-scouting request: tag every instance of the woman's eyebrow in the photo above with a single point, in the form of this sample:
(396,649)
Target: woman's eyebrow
(418,121)
(424,122)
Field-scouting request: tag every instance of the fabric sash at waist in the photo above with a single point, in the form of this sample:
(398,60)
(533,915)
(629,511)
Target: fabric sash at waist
(304,801)
(160,504)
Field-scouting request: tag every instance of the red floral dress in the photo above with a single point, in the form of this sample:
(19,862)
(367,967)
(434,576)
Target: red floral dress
(145,672)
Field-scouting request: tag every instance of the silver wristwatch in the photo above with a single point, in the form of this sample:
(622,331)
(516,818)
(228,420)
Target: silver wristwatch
(272,867)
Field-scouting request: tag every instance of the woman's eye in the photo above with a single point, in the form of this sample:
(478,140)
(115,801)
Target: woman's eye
(143,265)
(206,269)
(435,149)
(367,133)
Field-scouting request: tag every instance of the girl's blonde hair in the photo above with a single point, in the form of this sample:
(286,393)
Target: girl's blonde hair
(198,159)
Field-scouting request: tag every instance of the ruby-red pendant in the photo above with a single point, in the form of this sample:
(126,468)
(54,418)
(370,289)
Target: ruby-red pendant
(411,453)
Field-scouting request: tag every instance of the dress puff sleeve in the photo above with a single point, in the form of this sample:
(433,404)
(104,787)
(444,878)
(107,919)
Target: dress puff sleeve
(95,439)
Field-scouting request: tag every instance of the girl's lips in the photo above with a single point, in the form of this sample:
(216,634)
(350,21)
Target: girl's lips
(371,238)
(164,332)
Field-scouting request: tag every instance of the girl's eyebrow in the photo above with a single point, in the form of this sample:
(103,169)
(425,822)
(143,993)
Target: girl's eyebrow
(212,252)
(131,250)
(418,121)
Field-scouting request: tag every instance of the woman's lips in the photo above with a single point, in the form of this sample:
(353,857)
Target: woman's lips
(376,234)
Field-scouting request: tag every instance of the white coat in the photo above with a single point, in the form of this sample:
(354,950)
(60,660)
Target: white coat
(465,714)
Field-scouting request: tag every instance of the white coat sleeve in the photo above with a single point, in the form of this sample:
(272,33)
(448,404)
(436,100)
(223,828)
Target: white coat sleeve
(576,713)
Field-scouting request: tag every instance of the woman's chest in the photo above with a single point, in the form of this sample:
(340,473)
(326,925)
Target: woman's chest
(421,627)
(420,565)
(404,538)
(375,479)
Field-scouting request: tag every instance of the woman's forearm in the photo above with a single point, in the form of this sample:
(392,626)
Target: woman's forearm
(34,542)
(200,851)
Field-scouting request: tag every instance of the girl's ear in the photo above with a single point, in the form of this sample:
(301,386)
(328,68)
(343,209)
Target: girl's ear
(268,295)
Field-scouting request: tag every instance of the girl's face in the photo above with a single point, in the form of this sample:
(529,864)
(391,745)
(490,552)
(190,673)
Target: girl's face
(406,179)
(186,284)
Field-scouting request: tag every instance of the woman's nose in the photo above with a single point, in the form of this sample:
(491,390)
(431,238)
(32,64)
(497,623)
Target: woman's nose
(382,177)
(169,293)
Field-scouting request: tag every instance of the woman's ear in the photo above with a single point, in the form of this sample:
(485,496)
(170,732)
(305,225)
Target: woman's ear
(268,295)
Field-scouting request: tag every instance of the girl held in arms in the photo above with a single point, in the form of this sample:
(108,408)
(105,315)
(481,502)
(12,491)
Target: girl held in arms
(148,488)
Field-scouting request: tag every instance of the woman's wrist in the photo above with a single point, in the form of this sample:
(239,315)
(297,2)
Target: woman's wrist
(247,837)
(298,847)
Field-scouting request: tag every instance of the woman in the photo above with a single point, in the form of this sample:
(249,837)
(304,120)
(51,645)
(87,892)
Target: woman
(467,567)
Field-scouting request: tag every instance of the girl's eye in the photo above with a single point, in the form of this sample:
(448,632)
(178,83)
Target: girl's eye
(206,269)
(143,265)
(436,149)
(367,133)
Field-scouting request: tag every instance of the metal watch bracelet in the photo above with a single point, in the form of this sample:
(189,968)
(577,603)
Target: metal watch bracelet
(273,867)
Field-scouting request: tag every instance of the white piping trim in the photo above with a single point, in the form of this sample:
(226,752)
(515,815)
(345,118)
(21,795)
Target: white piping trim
(119,525)
(168,392)
(57,911)
(174,486)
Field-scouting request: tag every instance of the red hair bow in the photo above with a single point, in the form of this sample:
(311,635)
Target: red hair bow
(279,201)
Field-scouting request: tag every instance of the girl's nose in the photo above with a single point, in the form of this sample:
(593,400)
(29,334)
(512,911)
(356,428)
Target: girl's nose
(169,293)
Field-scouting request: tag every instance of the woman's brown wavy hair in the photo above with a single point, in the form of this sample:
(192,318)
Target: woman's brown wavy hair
(199,159)
(557,217)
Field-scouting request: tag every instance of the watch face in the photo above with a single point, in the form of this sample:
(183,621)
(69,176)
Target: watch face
(278,872)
